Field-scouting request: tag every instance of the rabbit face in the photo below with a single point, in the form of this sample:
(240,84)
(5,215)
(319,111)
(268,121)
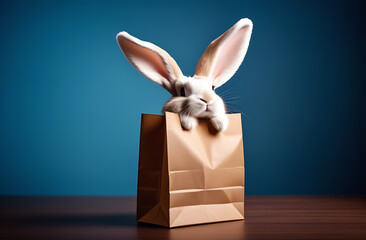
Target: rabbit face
(192,97)
(201,100)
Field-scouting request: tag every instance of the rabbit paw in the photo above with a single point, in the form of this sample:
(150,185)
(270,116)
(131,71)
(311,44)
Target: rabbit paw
(188,122)
(219,123)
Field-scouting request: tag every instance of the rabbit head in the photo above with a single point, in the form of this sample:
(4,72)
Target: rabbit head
(192,97)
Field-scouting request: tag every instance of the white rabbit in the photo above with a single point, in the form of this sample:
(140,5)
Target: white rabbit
(192,97)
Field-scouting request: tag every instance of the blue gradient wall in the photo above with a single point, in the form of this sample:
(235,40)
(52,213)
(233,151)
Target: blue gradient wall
(70,103)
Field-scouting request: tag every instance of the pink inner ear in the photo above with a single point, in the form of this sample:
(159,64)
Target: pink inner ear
(144,58)
(229,53)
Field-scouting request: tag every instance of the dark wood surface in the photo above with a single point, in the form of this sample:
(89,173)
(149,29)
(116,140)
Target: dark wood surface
(267,217)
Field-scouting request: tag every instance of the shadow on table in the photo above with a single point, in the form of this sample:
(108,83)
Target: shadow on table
(104,225)
(118,219)
(211,231)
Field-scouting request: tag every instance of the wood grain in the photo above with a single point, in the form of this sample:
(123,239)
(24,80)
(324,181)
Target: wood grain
(267,217)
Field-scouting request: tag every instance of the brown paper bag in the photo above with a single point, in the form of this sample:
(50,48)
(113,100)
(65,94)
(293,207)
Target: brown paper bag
(189,177)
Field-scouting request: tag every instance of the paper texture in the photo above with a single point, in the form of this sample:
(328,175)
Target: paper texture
(189,177)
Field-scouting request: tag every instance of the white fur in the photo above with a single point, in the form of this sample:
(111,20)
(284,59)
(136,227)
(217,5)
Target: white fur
(199,97)
(150,60)
(218,64)
(188,122)
(231,65)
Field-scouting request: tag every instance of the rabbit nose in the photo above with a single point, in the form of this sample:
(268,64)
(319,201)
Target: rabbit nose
(203,100)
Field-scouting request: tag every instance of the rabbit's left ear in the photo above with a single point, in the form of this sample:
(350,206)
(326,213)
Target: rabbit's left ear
(152,61)
(225,54)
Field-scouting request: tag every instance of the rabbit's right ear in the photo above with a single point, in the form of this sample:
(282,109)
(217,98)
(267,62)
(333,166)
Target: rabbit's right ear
(225,54)
(152,61)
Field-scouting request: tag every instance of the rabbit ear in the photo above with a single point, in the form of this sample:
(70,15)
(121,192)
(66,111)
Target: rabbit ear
(224,55)
(152,61)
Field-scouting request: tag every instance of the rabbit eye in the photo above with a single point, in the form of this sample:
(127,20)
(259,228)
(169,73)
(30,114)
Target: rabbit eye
(182,92)
(213,87)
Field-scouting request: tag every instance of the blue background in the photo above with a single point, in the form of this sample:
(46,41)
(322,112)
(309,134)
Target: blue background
(70,103)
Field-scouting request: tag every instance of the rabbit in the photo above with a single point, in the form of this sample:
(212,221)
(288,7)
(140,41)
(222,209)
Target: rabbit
(192,97)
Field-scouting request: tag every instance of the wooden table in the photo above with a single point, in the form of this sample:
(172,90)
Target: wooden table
(267,217)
